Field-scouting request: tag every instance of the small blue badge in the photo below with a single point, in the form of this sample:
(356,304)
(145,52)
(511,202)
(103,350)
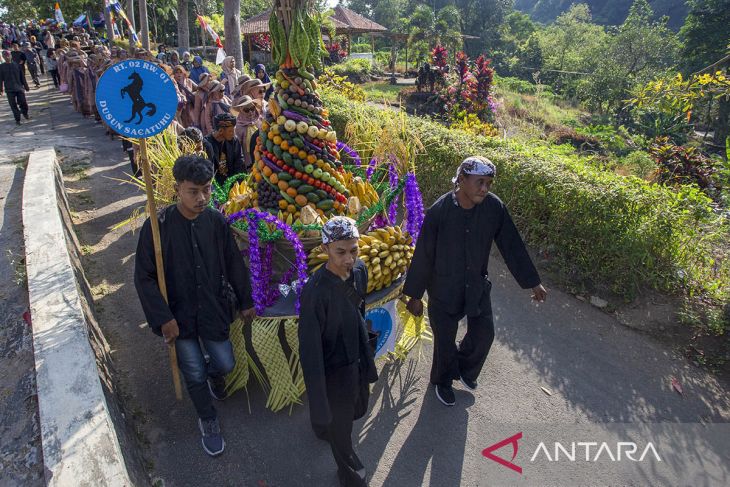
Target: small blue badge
(136,98)
(379,321)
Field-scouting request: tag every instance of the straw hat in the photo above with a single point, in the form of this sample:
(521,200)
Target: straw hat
(240,104)
(216,86)
(248,86)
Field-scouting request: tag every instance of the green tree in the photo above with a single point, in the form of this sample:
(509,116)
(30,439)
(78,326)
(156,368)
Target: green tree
(571,47)
(428,29)
(705,34)
(636,52)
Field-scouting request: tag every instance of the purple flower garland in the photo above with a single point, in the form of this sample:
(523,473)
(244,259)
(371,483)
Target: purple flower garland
(263,295)
(371,168)
(351,153)
(393,180)
(413,201)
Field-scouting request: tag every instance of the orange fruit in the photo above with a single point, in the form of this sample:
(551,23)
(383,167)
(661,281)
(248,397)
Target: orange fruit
(282,204)
(267,171)
(293,150)
(291,192)
(274,178)
(291,209)
(311,158)
(302,155)
(284,145)
(283,185)
(301,200)
(270,135)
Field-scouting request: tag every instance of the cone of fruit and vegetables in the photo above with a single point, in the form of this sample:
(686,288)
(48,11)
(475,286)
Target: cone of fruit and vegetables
(297,165)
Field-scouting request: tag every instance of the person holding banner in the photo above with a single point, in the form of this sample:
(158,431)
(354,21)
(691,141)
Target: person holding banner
(334,349)
(450,262)
(207,281)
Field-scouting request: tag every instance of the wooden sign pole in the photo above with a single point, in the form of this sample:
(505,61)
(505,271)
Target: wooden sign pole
(152,212)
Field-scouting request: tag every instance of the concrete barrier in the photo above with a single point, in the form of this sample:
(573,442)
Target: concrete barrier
(80,444)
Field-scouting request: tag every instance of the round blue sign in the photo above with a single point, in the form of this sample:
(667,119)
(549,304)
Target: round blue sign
(136,98)
(378,320)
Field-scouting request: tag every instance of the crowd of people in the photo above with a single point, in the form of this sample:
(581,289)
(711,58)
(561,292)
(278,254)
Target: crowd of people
(223,114)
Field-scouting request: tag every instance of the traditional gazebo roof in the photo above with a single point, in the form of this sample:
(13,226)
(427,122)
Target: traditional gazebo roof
(356,23)
(346,22)
(259,24)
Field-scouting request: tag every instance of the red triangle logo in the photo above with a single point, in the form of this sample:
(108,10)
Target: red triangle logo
(488,452)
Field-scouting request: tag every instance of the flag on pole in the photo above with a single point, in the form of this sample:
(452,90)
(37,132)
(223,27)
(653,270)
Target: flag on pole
(115,8)
(59,14)
(220,55)
(210,30)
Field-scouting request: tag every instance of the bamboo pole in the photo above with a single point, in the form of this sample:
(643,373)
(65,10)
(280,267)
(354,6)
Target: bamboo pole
(152,212)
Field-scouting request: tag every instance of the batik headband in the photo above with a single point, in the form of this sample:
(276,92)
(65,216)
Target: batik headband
(476,165)
(339,228)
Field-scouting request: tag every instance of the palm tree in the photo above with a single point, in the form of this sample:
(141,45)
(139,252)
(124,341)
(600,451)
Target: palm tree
(183,25)
(232,30)
(440,28)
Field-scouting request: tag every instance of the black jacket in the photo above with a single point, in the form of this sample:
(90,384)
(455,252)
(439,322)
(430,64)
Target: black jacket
(230,151)
(12,78)
(196,254)
(332,334)
(451,258)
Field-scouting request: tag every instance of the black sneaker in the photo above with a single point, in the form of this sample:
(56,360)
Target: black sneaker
(17,122)
(445,394)
(469,384)
(212,440)
(217,388)
(26,116)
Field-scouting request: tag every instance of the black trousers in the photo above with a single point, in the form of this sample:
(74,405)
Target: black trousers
(450,362)
(342,390)
(55,76)
(33,69)
(18,104)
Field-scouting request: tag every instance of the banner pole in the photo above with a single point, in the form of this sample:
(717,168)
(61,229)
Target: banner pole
(152,212)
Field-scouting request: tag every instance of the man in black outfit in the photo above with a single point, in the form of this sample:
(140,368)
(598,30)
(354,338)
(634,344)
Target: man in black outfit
(224,149)
(207,281)
(334,349)
(14,84)
(450,262)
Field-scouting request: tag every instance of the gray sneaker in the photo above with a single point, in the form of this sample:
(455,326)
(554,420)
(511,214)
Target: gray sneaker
(212,440)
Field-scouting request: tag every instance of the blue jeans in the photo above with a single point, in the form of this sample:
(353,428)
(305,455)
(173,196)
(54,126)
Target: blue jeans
(196,371)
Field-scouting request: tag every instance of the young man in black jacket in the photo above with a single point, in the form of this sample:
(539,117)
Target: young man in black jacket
(336,357)
(207,281)
(224,149)
(450,262)
(13,82)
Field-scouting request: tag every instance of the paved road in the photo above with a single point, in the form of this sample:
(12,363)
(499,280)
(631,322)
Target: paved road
(561,369)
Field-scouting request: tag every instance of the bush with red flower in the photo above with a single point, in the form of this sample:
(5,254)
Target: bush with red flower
(262,42)
(468,90)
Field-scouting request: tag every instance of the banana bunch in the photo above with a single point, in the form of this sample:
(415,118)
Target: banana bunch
(387,253)
(239,198)
(362,189)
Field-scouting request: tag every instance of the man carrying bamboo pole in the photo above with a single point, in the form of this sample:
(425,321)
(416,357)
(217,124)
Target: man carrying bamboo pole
(207,281)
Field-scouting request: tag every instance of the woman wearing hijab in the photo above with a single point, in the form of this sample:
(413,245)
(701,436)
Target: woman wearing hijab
(260,72)
(198,69)
(186,62)
(173,59)
(201,99)
(186,87)
(248,121)
(230,75)
(217,103)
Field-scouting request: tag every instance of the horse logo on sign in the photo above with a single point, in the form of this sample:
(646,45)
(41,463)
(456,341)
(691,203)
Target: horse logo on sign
(134,90)
(136,98)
